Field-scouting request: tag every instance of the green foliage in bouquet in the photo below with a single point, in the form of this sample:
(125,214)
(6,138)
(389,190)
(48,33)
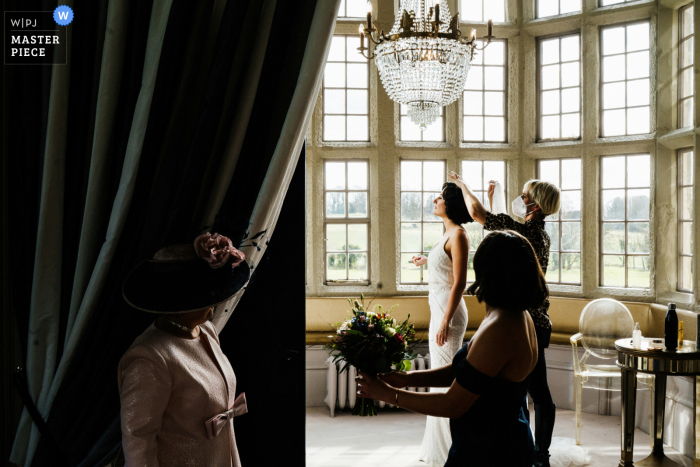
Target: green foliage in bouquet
(373,342)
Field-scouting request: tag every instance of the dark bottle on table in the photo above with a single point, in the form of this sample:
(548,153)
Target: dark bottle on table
(671,328)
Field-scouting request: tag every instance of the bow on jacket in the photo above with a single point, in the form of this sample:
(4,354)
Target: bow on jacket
(217,423)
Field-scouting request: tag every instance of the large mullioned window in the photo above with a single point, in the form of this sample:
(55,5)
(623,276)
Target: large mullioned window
(478,174)
(564,228)
(421,183)
(685,67)
(346,221)
(625,202)
(625,71)
(559,60)
(346,92)
(685,219)
(484,97)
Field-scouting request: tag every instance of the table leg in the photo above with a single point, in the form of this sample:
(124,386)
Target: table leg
(659,410)
(629,402)
(696,423)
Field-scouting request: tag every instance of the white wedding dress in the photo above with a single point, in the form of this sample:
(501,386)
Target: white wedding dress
(437,439)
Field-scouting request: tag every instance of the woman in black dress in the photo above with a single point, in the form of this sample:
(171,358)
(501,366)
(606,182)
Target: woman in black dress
(487,378)
(538,200)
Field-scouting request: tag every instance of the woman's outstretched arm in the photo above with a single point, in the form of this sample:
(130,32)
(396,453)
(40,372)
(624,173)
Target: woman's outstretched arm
(474,206)
(441,377)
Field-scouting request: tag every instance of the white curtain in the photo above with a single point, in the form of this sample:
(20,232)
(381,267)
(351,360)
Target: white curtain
(284,160)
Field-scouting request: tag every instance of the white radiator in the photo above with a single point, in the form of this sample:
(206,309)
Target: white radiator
(341,389)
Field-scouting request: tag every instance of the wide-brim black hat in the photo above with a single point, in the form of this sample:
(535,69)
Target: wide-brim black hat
(182,286)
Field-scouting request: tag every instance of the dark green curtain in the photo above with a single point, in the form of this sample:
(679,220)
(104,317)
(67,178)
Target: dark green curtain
(206,56)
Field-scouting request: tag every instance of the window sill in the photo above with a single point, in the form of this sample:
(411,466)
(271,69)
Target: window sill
(423,144)
(345,144)
(495,146)
(565,290)
(567,143)
(644,138)
(681,298)
(676,139)
(623,294)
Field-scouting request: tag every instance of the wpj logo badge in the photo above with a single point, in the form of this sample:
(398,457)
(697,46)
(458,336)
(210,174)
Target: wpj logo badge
(37,37)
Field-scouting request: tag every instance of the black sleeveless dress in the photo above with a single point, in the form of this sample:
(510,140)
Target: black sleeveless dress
(494,431)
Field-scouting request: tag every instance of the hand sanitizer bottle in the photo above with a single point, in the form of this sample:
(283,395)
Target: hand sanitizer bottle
(637,337)
(671,329)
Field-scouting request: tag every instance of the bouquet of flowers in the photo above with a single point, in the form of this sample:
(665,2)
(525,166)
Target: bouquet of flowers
(372,341)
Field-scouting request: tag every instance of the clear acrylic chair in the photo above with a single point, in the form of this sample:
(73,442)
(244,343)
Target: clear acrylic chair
(602,322)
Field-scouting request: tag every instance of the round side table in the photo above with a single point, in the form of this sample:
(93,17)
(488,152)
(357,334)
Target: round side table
(661,363)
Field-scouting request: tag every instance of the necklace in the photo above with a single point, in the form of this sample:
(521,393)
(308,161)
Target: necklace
(182,327)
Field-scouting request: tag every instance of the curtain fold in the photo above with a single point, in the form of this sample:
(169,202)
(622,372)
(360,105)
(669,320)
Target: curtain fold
(192,114)
(45,306)
(286,154)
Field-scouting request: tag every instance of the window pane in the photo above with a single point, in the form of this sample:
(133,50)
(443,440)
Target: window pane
(570,174)
(475,78)
(337,50)
(335,175)
(334,75)
(475,233)
(433,175)
(638,171)
(687,21)
(494,54)
(613,68)
(357,237)
(428,207)
(637,37)
(638,65)
(686,246)
(613,205)
(570,48)
(410,207)
(638,271)
(495,170)
(686,113)
(411,175)
(570,74)
(356,8)
(473,103)
(612,168)
(638,237)
(471,171)
(571,268)
(686,273)
(614,122)
(494,78)
(335,266)
(357,204)
(686,83)
(613,238)
(409,272)
(637,92)
(613,271)
(494,104)
(570,125)
(333,128)
(410,237)
(335,237)
(334,101)
(550,127)
(571,236)
(432,233)
(473,128)
(552,229)
(494,10)
(569,6)
(357,102)
(686,204)
(357,267)
(357,75)
(547,8)
(570,101)
(553,268)
(638,120)
(571,205)
(550,102)
(357,175)
(494,129)
(335,204)
(613,95)
(613,40)
(686,53)
(358,129)
(550,50)
(686,160)
(549,172)
(550,77)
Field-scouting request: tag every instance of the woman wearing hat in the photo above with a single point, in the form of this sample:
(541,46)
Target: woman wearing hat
(177,388)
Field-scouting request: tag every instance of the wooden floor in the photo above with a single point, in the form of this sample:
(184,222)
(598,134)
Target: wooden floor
(394,437)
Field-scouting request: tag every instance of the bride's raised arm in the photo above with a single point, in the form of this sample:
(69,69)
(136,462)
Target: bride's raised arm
(476,209)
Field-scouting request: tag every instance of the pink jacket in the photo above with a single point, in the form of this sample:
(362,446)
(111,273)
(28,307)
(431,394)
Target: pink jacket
(169,388)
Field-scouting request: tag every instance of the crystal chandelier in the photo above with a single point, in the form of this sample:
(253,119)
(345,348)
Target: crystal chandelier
(423,62)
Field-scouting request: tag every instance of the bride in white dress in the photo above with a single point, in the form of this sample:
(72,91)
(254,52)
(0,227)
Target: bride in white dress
(447,272)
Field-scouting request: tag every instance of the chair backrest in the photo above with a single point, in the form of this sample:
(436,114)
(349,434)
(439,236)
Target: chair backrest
(602,322)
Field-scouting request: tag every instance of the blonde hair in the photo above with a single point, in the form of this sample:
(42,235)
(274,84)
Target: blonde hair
(544,194)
